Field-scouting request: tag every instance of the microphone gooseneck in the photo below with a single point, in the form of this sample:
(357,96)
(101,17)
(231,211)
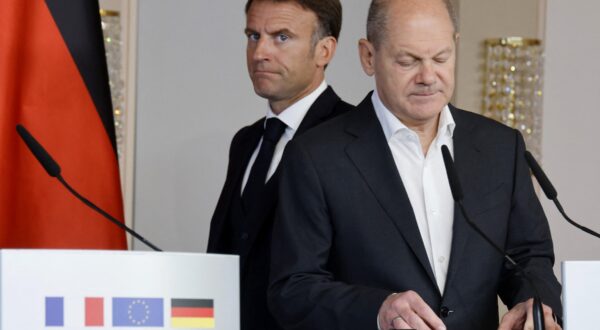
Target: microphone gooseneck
(53,169)
(49,164)
(457,194)
(551,193)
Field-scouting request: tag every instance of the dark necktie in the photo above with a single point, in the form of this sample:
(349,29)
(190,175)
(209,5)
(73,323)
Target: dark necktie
(258,174)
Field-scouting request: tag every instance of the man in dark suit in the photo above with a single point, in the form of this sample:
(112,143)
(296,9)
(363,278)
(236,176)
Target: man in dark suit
(367,234)
(289,46)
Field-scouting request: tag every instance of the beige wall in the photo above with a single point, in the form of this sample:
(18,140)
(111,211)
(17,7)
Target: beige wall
(571,118)
(483,19)
(571,157)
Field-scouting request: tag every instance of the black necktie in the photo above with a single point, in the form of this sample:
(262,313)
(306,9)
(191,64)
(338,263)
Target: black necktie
(258,174)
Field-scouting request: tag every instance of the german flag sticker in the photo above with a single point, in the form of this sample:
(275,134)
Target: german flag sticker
(192,313)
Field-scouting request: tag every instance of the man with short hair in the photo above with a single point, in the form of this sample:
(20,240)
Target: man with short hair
(289,46)
(367,233)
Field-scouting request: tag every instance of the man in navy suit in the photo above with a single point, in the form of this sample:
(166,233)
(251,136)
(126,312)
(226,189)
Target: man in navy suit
(289,46)
(367,234)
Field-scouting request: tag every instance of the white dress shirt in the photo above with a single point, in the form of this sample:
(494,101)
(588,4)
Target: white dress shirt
(291,116)
(424,178)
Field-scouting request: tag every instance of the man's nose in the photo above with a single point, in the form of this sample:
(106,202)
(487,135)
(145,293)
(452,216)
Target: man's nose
(426,75)
(262,50)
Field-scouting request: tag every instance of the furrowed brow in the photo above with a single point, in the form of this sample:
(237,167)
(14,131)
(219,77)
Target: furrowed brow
(444,52)
(285,31)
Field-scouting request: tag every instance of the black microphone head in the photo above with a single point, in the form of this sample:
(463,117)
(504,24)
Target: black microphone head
(39,152)
(455,187)
(540,176)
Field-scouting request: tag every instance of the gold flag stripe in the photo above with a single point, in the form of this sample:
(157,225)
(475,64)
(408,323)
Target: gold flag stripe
(193,322)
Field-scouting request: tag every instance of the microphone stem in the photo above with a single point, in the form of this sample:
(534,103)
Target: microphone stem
(538,314)
(564,214)
(482,234)
(106,215)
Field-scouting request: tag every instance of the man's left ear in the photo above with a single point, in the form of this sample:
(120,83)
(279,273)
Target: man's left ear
(324,50)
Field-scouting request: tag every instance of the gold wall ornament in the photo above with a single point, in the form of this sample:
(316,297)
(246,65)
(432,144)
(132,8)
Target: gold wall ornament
(513,86)
(113,44)
(108,13)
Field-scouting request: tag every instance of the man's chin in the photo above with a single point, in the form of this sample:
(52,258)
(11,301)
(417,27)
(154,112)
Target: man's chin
(425,99)
(266,93)
(426,111)
(434,103)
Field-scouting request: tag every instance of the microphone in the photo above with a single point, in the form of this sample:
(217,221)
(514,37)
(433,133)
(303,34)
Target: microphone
(53,169)
(551,193)
(39,152)
(457,195)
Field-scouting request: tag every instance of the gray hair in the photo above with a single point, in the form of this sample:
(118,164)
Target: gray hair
(377,19)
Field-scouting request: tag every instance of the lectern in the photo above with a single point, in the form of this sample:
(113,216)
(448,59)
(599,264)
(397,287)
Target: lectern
(581,294)
(83,289)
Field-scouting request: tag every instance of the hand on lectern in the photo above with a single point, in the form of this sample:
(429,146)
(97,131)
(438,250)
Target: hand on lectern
(406,310)
(520,317)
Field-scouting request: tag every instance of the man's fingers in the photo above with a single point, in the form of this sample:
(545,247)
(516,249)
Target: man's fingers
(547,315)
(511,321)
(521,317)
(415,311)
(515,318)
(414,321)
(425,312)
(399,323)
(549,322)
(549,319)
(529,310)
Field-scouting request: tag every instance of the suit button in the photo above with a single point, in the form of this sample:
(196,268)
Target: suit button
(245,236)
(445,311)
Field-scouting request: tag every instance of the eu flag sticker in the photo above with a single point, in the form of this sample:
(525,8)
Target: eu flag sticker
(55,312)
(137,312)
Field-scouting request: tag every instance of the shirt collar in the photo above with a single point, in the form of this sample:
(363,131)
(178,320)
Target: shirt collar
(446,127)
(292,116)
(392,125)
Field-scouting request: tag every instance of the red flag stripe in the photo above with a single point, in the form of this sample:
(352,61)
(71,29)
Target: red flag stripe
(94,312)
(42,88)
(192,312)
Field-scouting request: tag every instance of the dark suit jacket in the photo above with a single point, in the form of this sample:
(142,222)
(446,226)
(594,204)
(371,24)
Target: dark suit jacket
(254,258)
(346,235)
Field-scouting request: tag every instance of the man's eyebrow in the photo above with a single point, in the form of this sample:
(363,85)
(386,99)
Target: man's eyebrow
(443,51)
(410,54)
(406,53)
(285,31)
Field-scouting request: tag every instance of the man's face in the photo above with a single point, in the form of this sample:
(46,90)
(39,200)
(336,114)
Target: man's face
(280,55)
(414,63)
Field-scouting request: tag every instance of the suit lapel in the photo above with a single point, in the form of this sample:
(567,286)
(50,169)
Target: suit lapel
(246,148)
(372,157)
(467,159)
(240,154)
(319,111)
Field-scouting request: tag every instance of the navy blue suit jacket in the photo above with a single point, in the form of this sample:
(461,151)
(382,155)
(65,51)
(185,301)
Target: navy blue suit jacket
(346,236)
(255,247)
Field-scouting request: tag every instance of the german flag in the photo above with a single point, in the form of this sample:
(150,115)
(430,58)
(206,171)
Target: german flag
(192,313)
(54,81)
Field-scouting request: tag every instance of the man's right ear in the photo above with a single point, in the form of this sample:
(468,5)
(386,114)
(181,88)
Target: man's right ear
(366,52)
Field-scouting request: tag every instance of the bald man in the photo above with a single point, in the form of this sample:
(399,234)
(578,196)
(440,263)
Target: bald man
(367,234)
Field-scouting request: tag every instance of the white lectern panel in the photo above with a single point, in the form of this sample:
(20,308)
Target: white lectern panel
(581,293)
(74,289)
